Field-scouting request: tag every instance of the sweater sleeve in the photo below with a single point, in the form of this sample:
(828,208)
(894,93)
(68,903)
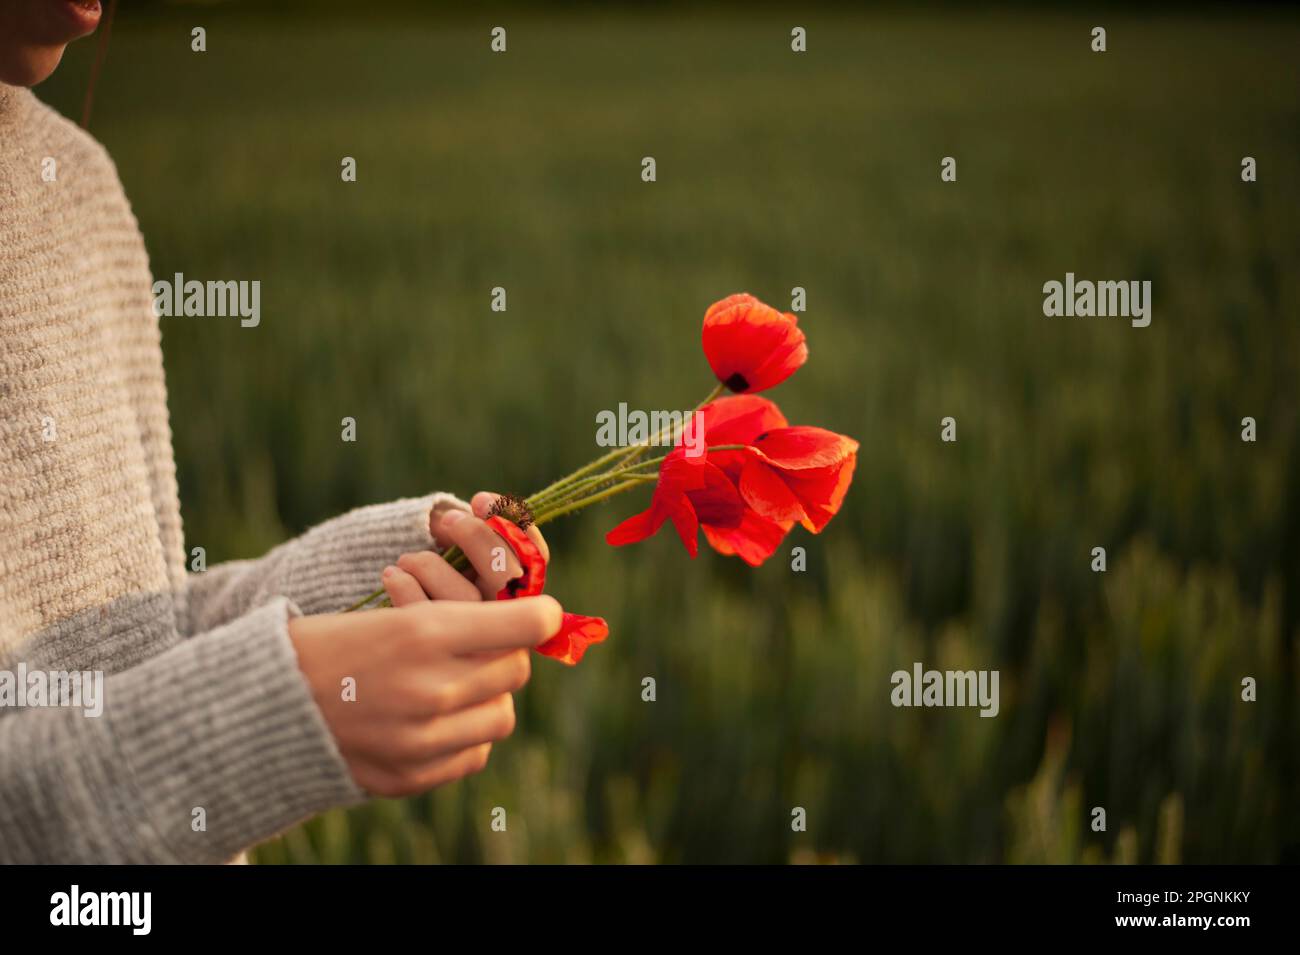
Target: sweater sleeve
(223,723)
(325,570)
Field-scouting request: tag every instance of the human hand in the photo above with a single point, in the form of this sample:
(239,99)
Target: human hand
(492,560)
(432,684)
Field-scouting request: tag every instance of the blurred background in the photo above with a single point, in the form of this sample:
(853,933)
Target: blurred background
(775,170)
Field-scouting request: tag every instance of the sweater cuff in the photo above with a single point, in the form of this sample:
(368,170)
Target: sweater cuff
(222,739)
(339,562)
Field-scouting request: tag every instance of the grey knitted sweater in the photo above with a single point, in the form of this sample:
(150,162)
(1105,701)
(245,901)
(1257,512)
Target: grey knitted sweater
(204,707)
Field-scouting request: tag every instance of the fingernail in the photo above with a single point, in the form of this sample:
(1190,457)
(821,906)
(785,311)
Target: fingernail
(388,571)
(451,517)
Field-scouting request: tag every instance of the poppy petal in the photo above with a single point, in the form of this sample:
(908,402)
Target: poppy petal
(821,490)
(636,528)
(739,419)
(533,580)
(718,502)
(680,472)
(764,490)
(753,540)
(576,633)
(804,447)
(687,525)
(678,475)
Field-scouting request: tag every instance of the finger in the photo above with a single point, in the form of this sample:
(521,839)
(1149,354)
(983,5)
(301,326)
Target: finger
(487,722)
(481,505)
(498,673)
(535,533)
(403,589)
(439,580)
(436,515)
(453,766)
(487,550)
(445,682)
(462,627)
(385,780)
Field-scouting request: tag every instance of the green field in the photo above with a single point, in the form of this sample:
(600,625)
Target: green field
(775,170)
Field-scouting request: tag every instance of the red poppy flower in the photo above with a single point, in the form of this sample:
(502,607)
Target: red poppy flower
(751,346)
(798,474)
(576,632)
(701,493)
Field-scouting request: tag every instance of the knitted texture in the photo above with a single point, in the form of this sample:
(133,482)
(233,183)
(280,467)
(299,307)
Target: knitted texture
(204,705)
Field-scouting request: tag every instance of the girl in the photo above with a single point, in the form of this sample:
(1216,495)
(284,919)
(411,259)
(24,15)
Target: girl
(236,701)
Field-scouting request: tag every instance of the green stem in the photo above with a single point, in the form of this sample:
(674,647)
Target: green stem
(365,600)
(638,450)
(539,503)
(572,506)
(563,487)
(584,491)
(563,490)
(629,472)
(586,469)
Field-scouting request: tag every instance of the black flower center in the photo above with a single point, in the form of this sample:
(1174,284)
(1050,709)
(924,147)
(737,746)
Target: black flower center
(737,383)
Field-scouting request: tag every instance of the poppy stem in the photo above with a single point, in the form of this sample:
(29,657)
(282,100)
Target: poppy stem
(639,449)
(584,488)
(576,505)
(580,491)
(540,502)
(625,456)
(365,600)
(556,486)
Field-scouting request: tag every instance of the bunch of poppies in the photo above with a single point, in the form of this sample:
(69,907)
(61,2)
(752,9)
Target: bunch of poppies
(757,477)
